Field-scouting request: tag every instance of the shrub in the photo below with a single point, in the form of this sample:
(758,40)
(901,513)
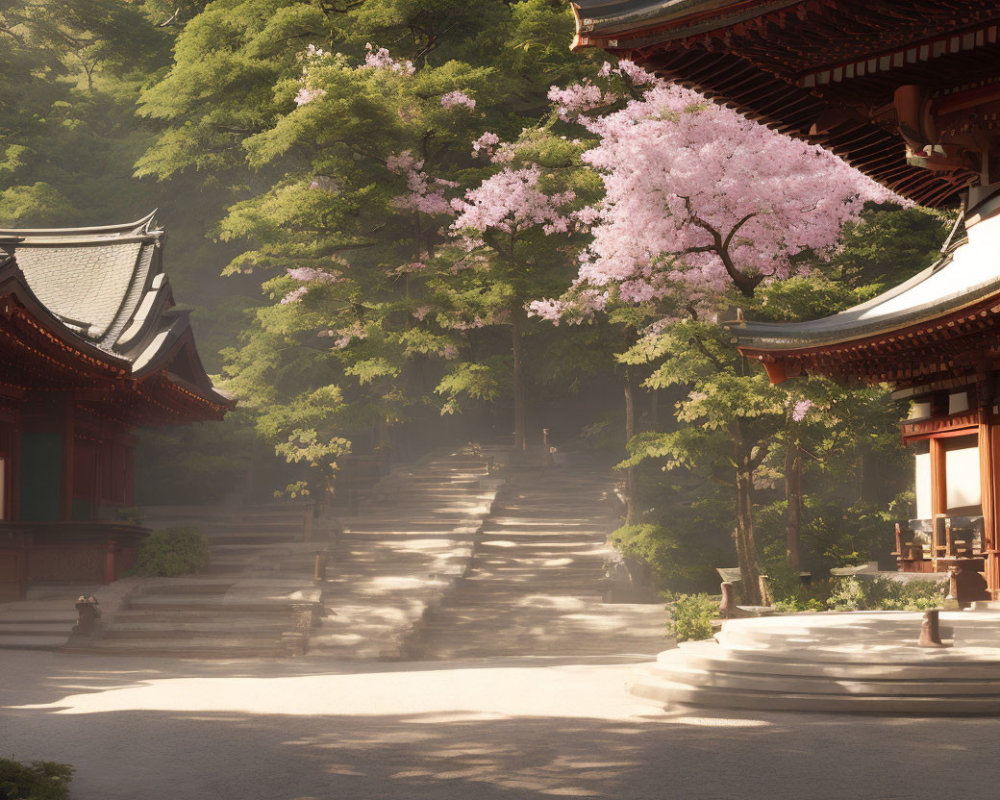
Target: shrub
(691,616)
(173,551)
(680,558)
(884,594)
(39,780)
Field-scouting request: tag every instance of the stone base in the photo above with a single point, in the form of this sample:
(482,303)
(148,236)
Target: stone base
(853,662)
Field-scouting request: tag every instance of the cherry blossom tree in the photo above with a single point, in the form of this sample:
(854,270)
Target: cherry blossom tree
(499,231)
(701,207)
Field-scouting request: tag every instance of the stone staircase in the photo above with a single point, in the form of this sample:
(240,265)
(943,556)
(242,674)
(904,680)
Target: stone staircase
(385,567)
(256,598)
(536,581)
(43,620)
(402,554)
(865,662)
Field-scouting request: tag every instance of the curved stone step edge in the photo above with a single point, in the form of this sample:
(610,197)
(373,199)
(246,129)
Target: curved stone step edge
(825,685)
(710,656)
(667,695)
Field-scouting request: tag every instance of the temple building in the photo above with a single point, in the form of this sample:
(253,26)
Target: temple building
(91,347)
(910,95)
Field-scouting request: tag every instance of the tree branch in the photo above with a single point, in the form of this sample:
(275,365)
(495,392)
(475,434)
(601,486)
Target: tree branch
(746,283)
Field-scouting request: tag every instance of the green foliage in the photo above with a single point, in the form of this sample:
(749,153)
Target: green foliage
(884,594)
(36,780)
(888,245)
(38,204)
(173,551)
(853,593)
(691,616)
(404,326)
(681,550)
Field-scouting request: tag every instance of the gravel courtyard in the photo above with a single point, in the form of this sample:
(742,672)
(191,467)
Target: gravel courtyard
(493,729)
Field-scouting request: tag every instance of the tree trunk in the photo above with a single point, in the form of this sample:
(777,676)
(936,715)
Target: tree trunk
(631,500)
(746,548)
(517,322)
(793,498)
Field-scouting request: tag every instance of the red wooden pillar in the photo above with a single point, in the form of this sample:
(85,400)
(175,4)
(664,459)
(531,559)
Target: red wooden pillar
(989,442)
(69,456)
(110,565)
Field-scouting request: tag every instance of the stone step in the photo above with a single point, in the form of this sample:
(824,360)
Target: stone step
(175,586)
(35,628)
(32,642)
(180,647)
(251,538)
(680,694)
(200,603)
(31,616)
(219,627)
(709,656)
(896,686)
(195,614)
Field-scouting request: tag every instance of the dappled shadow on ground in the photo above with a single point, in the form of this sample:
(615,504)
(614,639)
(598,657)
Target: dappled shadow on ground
(493,730)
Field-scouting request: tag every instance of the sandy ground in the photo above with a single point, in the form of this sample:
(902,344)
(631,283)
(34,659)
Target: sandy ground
(477,730)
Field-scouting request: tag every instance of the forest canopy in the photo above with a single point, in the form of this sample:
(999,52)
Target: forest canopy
(404,224)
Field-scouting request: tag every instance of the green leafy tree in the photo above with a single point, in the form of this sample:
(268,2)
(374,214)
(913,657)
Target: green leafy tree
(344,156)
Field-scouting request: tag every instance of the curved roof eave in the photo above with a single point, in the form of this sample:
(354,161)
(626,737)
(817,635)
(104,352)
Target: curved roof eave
(162,351)
(602,18)
(967,276)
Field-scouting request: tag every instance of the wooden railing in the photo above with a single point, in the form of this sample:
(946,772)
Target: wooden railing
(931,545)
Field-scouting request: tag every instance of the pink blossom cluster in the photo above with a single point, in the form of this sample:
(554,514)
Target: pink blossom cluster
(800,410)
(307,95)
(574,308)
(629,70)
(310,275)
(577,98)
(572,101)
(420,195)
(511,201)
(324,183)
(295,295)
(485,143)
(497,151)
(344,336)
(458,98)
(680,171)
(379,58)
(315,275)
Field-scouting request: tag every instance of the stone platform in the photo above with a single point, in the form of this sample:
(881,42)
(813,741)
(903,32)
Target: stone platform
(839,662)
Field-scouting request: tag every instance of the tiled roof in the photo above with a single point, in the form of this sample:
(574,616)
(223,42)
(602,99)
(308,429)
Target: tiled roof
(827,71)
(106,286)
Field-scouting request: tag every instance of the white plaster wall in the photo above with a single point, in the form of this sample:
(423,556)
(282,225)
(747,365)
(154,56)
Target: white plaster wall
(962,469)
(923,485)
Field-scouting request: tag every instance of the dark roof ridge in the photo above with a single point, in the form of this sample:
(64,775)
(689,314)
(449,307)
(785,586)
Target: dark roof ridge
(144,226)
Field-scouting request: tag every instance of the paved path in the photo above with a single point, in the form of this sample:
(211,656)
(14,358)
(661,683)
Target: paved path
(501,729)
